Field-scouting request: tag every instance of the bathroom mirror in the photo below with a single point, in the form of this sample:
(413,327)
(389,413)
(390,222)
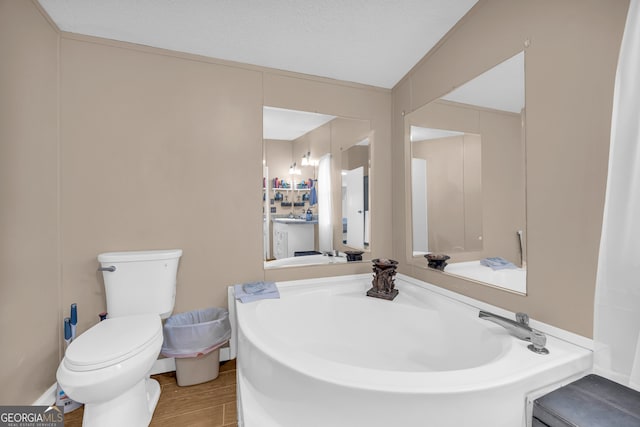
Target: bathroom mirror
(302,164)
(467,179)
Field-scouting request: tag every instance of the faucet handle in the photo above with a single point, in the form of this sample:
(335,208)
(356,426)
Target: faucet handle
(522,318)
(538,341)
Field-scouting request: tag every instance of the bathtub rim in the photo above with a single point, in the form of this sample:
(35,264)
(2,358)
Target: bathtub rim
(413,382)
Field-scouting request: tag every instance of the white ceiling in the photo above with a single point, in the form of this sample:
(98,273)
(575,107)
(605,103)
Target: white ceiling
(374,42)
(280,123)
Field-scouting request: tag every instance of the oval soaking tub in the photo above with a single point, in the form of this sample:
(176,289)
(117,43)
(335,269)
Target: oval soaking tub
(324,354)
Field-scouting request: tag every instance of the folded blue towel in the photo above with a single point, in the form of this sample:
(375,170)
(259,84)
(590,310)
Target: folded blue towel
(254,287)
(254,291)
(497,263)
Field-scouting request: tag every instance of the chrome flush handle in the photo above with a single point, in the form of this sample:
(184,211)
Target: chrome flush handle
(110,268)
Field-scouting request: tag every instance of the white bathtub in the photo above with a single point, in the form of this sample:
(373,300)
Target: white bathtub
(326,355)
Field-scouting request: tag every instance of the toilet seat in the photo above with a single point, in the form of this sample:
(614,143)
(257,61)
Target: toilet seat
(112,341)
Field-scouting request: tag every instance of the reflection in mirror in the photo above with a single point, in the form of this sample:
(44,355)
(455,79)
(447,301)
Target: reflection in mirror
(447,193)
(300,211)
(468,178)
(355,196)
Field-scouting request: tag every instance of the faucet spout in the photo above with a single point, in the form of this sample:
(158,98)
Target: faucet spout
(519,329)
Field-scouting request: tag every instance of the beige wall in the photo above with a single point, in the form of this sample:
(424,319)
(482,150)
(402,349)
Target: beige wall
(158,152)
(131,148)
(30,313)
(570,66)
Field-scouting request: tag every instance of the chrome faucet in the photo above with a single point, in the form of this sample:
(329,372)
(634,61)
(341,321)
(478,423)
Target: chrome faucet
(520,329)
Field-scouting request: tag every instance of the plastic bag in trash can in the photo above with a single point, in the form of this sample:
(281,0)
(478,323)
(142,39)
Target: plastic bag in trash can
(196,332)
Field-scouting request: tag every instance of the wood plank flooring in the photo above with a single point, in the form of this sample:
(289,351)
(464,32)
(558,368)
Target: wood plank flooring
(210,404)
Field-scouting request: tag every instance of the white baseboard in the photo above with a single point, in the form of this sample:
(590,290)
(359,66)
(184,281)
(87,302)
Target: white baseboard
(168,364)
(48,397)
(225,354)
(161,366)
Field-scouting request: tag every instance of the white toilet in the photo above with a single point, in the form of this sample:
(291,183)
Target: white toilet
(107,367)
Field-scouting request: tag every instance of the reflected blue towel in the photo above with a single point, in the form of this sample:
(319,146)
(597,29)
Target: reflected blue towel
(254,291)
(497,263)
(313,197)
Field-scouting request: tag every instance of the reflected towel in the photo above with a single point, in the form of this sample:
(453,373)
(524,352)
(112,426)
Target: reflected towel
(497,263)
(254,291)
(313,197)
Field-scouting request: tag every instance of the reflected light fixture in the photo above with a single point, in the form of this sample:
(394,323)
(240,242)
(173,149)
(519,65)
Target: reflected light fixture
(293,170)
(306,159)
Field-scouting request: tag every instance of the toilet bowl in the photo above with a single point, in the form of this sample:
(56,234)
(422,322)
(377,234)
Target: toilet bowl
(107,368)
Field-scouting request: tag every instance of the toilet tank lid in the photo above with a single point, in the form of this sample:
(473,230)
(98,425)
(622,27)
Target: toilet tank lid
(133,256)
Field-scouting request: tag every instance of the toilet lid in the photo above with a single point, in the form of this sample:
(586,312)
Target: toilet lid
(112,341)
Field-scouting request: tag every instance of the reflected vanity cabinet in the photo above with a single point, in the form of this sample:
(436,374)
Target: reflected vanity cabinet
(289,238)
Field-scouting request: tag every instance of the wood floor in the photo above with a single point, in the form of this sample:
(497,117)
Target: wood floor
(210,404)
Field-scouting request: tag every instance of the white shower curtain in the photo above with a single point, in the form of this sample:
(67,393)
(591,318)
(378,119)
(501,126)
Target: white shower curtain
(325,228)
(617,299)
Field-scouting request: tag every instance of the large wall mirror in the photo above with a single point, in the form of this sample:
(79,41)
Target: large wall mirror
(467,178)
(315,188)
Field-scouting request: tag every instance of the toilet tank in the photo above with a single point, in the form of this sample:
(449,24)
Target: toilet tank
(142,282)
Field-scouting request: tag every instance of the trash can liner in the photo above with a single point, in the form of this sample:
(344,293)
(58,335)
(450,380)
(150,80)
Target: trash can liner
(196,332)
